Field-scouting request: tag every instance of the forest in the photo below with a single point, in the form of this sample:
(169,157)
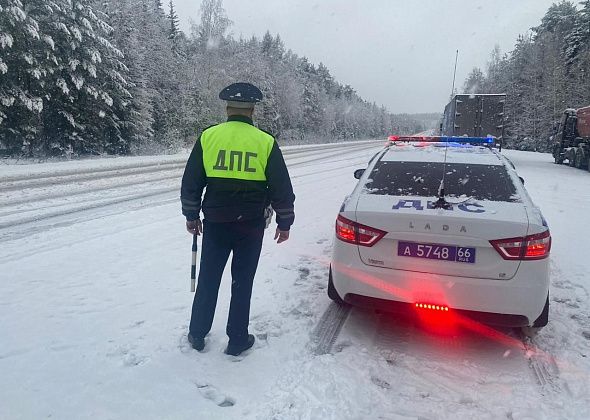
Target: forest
(546,73)
(99,77)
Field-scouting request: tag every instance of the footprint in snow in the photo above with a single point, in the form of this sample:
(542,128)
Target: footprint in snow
(303,273)
(380,382)
(131,359)
(340,346)
(213,394)
(127,356)
(183,344)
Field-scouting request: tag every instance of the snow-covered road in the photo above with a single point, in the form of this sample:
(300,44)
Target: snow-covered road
(94,307)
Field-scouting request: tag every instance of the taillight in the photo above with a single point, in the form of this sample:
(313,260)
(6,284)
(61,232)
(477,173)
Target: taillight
(355,233)
(345,230)
(531,247)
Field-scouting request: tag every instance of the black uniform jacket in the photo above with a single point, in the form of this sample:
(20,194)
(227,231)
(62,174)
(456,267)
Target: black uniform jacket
(230,200)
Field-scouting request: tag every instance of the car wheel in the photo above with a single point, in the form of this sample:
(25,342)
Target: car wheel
(579,159)
(530,332)
(332,293)
(571,157)
(557,155)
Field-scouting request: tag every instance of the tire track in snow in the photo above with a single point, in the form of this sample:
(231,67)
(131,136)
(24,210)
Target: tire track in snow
(15,182)
(20,184)
(404,343)
(543,367)
(93,203)
(81,192)
(328,328)
(32,229)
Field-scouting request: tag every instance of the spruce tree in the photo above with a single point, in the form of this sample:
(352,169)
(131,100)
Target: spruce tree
(28,58)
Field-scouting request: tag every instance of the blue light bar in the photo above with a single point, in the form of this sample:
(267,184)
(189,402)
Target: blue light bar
(451,144)
(482,140)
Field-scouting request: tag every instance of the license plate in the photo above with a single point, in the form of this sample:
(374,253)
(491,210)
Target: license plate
(436,252)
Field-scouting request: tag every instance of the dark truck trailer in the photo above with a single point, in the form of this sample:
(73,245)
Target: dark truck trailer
(572,138)
(474,115)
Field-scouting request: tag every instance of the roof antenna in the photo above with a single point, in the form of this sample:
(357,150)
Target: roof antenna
(441,203)
(454,73)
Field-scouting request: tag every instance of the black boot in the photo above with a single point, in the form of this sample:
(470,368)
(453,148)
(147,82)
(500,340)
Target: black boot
(237,349)
(197,343)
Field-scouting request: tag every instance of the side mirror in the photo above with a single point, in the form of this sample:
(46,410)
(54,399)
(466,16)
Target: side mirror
(358,173)
(521,179)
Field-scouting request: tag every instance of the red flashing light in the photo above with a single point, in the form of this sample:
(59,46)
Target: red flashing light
(413,138)
(440,308)
(356,233)
(531,247)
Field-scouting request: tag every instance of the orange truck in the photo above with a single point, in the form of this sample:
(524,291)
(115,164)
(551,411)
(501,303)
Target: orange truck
(572,138)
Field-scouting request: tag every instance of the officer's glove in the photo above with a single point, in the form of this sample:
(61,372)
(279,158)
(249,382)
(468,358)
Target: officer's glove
(194,227)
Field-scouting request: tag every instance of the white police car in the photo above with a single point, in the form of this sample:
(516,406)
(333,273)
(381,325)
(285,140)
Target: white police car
(479,248)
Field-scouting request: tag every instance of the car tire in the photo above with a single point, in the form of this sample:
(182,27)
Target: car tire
(332,293)
(530,332)
(557,158)
(571,157)
(579,159)
(543,319)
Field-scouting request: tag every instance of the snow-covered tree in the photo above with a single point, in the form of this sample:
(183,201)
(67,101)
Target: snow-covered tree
(65,86)
(214,24)
(118,76)
(27,59)
(578,38)
(474,82)
(89,90)
(546,73)
(174,33)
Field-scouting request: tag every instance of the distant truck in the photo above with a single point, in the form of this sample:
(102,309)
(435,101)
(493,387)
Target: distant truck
(474,115)
(572,138)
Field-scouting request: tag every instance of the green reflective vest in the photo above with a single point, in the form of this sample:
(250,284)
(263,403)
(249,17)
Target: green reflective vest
(236,150)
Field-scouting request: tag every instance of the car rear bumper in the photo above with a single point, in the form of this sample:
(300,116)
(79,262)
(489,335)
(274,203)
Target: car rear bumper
(504,320)
(515,302)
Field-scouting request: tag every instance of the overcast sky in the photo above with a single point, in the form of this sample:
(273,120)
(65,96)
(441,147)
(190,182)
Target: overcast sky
(399,53)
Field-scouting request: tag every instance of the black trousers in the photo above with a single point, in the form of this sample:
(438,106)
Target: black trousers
(244,240)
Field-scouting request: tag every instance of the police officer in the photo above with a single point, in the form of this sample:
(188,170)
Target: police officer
(244,172)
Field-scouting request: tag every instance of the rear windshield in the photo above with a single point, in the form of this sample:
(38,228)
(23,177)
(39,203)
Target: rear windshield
(482,182)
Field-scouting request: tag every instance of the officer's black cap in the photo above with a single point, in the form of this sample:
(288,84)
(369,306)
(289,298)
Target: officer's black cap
(241,92)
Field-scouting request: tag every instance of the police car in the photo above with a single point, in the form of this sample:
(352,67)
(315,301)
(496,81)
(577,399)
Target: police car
(440,224)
